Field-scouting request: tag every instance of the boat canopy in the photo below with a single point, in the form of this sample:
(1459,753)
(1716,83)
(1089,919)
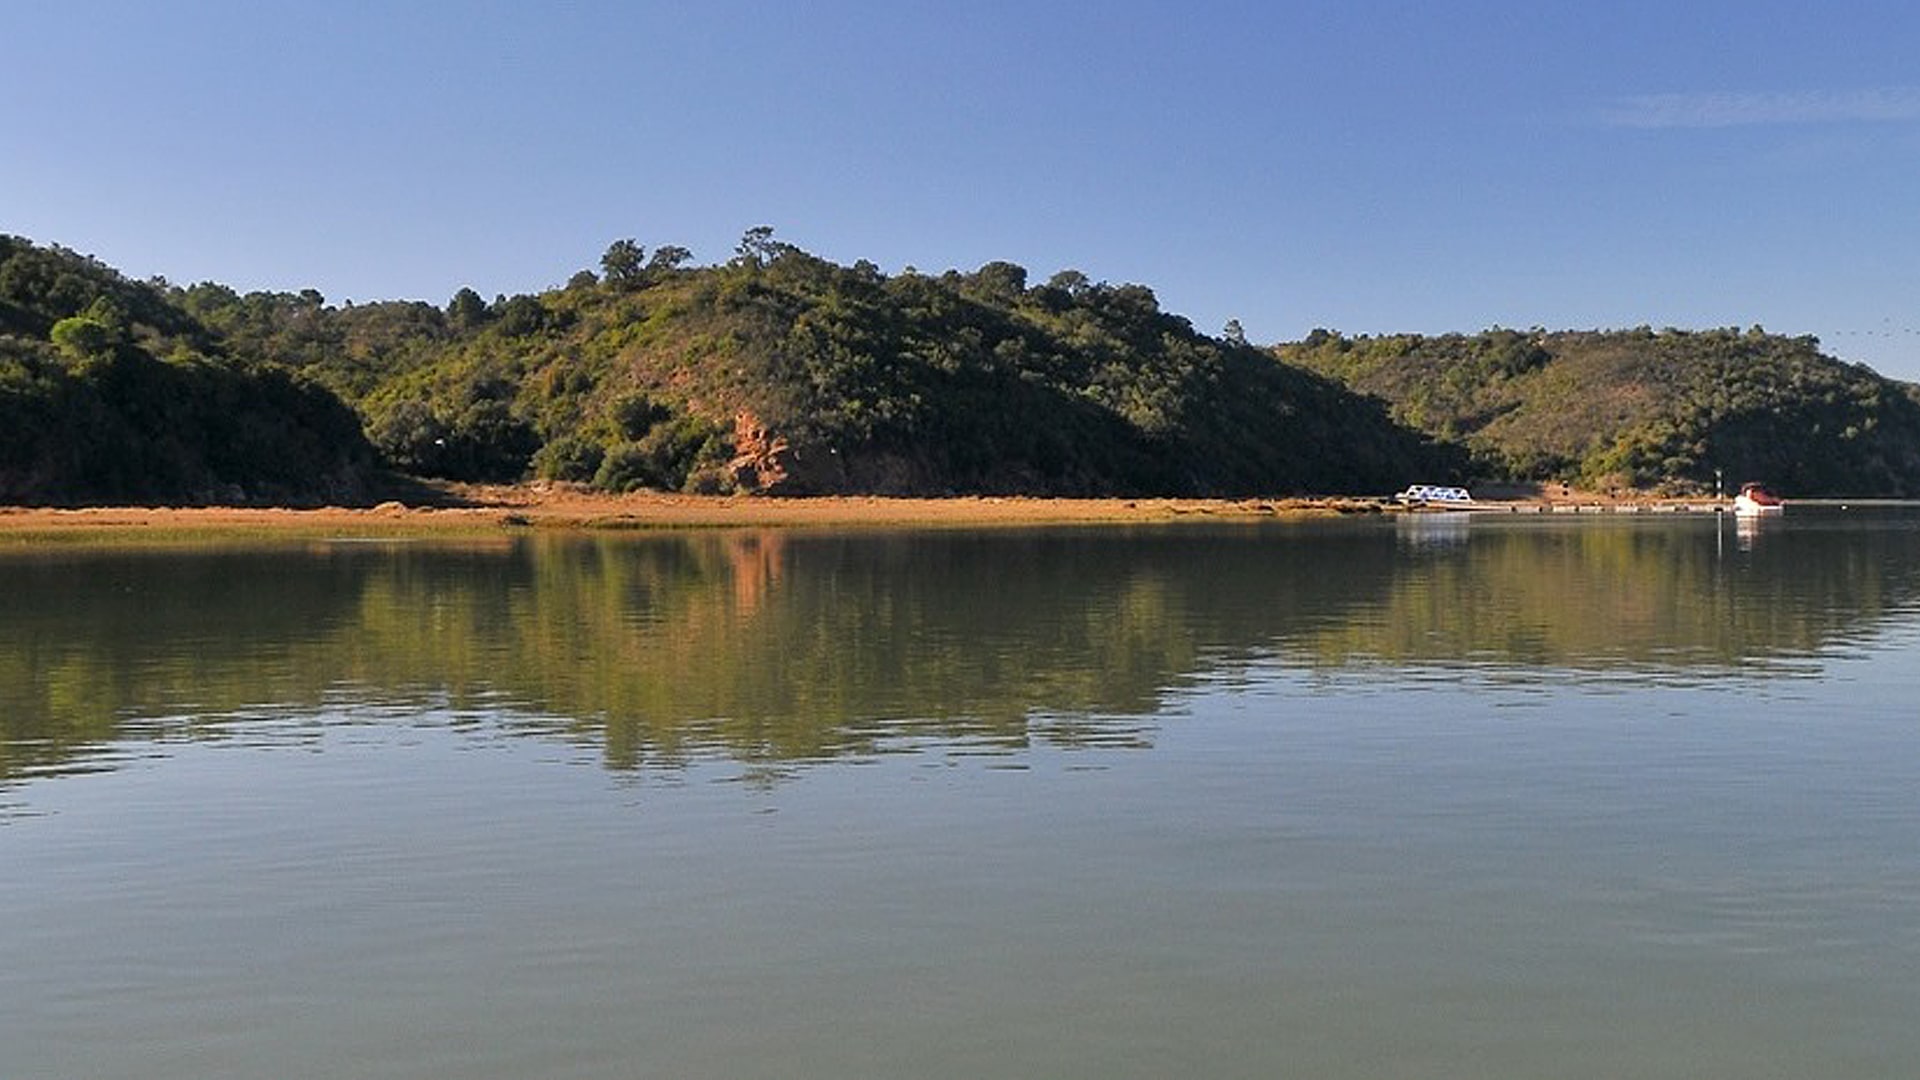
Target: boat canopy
(1434,493)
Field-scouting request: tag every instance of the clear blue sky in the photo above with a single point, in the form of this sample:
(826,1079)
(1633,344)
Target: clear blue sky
(1368,167)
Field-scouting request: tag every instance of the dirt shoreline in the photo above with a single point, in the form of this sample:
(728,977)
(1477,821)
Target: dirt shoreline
(466,508)
(463,507)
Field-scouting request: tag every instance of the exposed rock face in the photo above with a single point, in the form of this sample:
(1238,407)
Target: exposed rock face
(767,463)
(757,454)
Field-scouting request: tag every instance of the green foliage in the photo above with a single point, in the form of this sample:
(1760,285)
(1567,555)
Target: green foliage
(623,262)
(520,316)
(1641,408)
(109,390)
(851,381)
(857,381)
(80,338)
(466,311)
(758,247)
(630,465)
(475,436)
(351,350)
(569,457)
(782,371)
(668,258)
(653,447)
(40,286)
(635,414)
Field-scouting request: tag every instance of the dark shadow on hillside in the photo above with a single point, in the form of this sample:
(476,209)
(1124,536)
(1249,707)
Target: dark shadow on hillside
(414,491)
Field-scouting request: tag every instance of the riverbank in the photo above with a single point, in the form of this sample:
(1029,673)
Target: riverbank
(464,507)
(445,507)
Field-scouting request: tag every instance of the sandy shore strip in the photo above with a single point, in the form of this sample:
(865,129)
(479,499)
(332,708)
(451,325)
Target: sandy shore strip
(468,508)
(448,507)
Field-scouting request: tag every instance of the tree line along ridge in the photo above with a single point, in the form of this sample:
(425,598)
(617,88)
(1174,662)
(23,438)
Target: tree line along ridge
(776,371)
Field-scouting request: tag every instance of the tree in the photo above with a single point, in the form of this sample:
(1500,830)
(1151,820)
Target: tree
(623,262)
(467,310)
(1001,282)
(1071,282)
(81,337)
(758,247)
(668,257)
(521,315)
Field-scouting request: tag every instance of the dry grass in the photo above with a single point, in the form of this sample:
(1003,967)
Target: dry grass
(459,507)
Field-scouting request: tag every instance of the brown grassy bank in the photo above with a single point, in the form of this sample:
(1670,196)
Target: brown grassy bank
(460,507)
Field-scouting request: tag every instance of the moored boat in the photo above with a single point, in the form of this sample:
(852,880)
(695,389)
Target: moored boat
(1434,494)
(1755,500)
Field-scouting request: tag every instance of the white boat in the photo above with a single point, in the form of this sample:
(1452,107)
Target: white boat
(1434,493)
(1757,501)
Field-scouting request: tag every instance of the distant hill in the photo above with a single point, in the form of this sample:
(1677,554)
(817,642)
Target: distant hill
(781,372)
(110,391)
(1641,408)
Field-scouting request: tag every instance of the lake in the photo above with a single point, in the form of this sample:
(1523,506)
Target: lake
(1429,797)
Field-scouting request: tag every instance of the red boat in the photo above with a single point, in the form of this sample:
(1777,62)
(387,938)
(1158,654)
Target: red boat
(1754,499)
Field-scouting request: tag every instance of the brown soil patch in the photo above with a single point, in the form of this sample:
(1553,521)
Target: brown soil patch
(462,507)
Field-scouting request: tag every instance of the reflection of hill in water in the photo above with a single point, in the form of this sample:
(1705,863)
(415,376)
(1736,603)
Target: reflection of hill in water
(1622,592)
(794,645)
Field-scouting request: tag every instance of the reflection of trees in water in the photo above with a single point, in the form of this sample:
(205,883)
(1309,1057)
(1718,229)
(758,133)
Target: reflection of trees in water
(778,647)
(1607,594)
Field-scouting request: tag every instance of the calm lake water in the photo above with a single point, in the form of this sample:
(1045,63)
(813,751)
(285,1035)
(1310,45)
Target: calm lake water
(1634,797)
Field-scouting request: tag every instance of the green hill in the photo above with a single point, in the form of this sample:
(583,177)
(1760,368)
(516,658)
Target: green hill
(782,372)
(1640,408)
(110,391)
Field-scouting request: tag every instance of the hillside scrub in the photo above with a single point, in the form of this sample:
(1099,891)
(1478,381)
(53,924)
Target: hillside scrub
(109,391)
(779,371)
(1641,408)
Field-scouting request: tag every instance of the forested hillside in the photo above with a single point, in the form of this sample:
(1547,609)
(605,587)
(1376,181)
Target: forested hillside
(1641,408)
(782,372)
(109,391)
